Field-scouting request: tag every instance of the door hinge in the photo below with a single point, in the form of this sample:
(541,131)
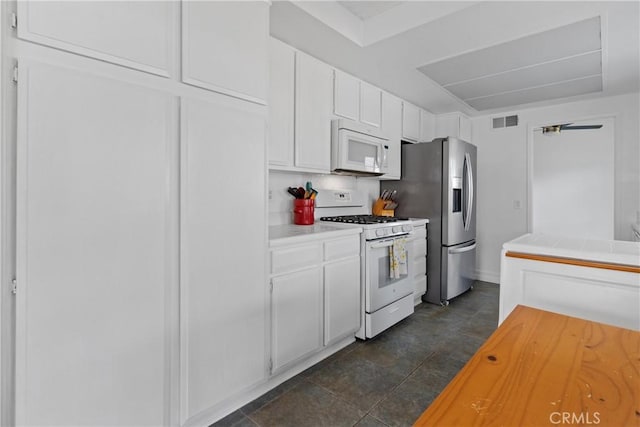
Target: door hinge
(14,286)
(14,77)
(14,21)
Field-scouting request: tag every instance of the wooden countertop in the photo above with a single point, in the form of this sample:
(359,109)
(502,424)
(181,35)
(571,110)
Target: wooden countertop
(543,369)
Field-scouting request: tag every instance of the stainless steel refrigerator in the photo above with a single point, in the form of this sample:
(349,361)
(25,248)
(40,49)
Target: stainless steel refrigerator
(438,182)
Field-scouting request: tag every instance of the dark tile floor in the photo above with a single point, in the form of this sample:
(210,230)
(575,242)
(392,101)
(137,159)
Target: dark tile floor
(387,381)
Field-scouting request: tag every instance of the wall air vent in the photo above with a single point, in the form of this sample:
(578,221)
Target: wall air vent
(505,122)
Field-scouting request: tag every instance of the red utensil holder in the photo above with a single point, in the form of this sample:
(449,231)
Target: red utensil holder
(303,211)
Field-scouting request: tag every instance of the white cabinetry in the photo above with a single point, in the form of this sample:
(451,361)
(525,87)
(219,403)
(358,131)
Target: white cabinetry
(370,108)
(392,128)
(419,242)
(222,298)
(315,299)
(427,126)
(225,47)
(140,35)
(410,122)
(346,95)
(313,114)
(96,250)
(355,99)
(454,124)
(281,101)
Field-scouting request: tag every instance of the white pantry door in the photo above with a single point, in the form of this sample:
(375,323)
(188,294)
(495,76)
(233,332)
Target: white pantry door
(223,245)
(96,250)
(573,182)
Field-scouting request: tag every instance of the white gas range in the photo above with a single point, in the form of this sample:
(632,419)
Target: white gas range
(387,292)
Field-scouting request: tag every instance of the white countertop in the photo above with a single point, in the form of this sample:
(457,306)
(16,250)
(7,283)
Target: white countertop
(417,222)
(291,233)
(613,251)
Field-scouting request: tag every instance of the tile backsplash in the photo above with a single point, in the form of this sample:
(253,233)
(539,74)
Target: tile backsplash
(281,202)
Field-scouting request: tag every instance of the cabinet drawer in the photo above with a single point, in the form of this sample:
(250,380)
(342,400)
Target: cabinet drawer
(341,248)
(295,257)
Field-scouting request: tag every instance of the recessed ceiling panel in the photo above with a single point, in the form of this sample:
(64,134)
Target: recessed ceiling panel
(538,75)
(525,96)
(574,39)
(368,9)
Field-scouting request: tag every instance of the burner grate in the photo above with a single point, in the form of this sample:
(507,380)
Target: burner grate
(362,219)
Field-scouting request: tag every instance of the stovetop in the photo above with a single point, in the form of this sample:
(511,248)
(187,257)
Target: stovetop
(362,219)
(374,227)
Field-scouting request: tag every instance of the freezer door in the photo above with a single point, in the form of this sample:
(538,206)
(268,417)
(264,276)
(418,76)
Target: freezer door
(458,270)
(458,195)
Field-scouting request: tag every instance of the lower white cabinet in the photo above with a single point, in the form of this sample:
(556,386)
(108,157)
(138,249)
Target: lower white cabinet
(296,315)
(419,242)
(341,298)
(314,302)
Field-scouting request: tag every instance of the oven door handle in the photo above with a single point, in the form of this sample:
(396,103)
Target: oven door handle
(384,244)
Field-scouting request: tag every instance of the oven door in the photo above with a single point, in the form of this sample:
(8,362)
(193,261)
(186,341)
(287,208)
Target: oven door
(380,288)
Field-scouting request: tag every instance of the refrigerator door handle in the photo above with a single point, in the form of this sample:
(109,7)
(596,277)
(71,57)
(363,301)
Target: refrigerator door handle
(469,193)
(462,250)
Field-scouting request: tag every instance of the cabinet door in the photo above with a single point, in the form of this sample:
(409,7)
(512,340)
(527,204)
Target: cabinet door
(281,99)
(97,250)
(410,122)
(296,316)
(346,95)
(370,109)
(313,114)
(225,47)
(223,292)
(454,124)
(392,128)
(342,299)
(140,35)
(427,126)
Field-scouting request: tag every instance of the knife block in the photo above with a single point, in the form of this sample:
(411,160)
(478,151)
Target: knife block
(379,210)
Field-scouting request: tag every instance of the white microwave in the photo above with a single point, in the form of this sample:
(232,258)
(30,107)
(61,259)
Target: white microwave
(357,149)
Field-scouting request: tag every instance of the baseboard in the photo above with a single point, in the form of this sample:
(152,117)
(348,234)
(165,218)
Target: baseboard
(219,411)
(488,276)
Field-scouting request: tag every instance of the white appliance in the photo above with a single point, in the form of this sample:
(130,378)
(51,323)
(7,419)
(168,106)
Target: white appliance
(357,149)
(385,300)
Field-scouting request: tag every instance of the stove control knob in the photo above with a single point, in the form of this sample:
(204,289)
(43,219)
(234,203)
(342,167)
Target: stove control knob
(406,228)
(397,229)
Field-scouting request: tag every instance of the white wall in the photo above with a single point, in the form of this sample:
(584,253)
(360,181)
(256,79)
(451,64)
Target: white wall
(503,165)
(281,202)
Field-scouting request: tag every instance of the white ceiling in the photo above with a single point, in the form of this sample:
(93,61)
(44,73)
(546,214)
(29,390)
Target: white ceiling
(491,54)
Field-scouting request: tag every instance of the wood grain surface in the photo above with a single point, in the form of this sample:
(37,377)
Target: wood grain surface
(543,369)
(573,261)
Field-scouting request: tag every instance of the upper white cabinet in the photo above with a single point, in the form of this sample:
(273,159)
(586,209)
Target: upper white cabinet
(453,124)
(410,122)
(346,95)
(225,47)
(356,100)
(97,264)
(140,35)
(281,102)
(370,104)
(313,98)
(222,301)
(392,128)
(427,126)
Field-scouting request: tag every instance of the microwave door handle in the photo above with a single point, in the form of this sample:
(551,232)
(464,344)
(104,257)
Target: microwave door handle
(385,149)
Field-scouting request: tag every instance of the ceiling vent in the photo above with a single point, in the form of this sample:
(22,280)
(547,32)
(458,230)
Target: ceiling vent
(505,122)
